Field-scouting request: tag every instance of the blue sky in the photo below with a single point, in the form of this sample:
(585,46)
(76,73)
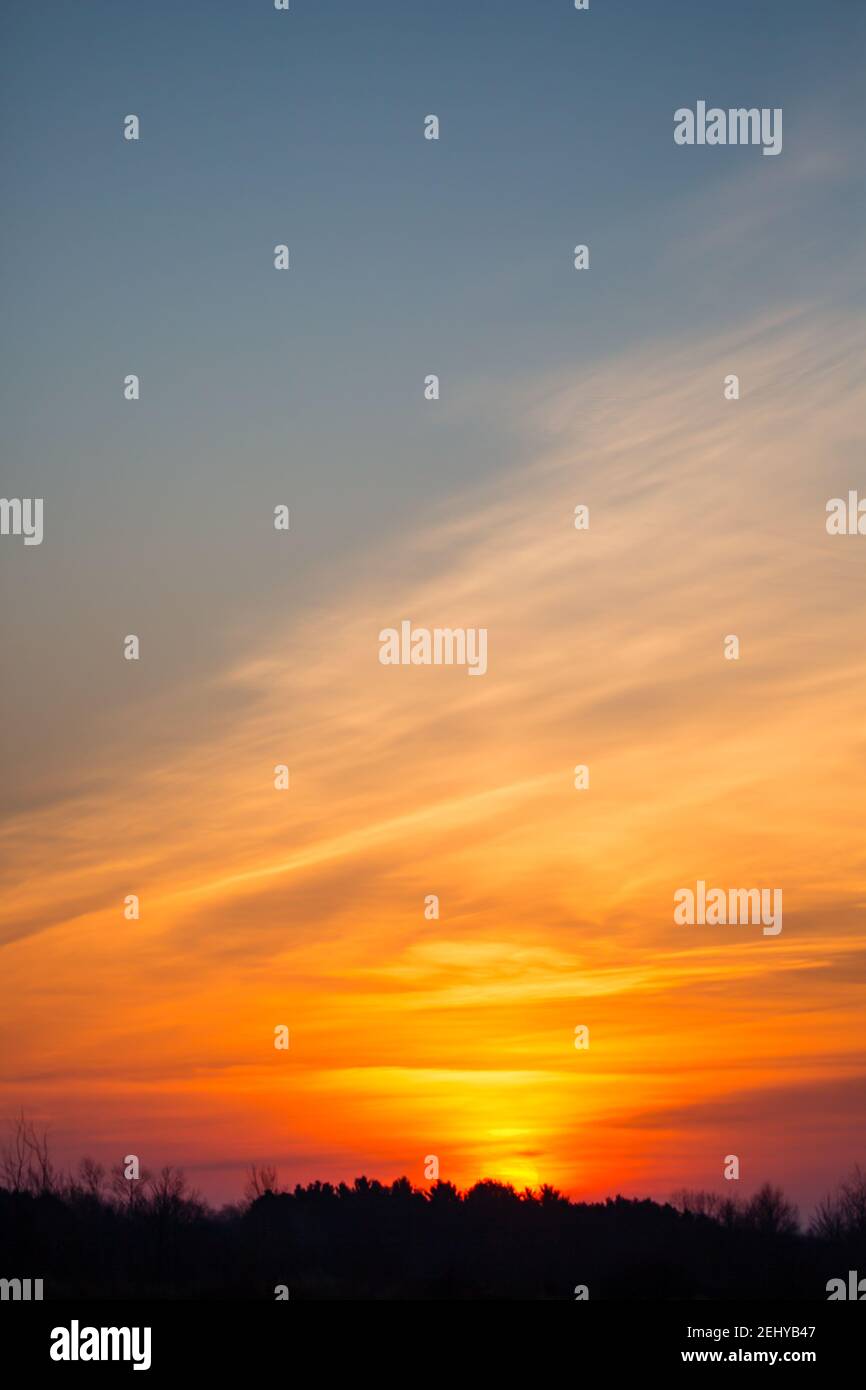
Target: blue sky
(408,257)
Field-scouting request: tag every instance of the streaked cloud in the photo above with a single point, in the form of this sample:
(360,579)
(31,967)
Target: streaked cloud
(605,647)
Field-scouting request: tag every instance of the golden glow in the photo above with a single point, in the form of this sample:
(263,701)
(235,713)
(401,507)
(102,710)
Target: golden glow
(454,1037)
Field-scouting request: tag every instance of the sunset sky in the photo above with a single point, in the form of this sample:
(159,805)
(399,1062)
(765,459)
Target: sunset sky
(412,1037)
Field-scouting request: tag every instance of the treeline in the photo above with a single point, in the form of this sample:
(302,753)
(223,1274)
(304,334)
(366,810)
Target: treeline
(97,1234)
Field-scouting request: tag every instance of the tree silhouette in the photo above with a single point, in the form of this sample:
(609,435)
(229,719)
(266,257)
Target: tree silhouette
(98,1235)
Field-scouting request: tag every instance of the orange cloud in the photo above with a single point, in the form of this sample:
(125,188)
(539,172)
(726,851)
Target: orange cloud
(454,1036)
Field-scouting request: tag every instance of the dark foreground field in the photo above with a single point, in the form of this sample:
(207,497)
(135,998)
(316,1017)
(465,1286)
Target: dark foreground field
(92,1238)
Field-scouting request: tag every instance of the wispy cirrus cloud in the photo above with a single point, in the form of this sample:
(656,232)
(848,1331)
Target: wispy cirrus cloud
(605,647)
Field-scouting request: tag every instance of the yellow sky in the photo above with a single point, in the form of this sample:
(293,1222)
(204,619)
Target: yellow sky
(454,1037)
